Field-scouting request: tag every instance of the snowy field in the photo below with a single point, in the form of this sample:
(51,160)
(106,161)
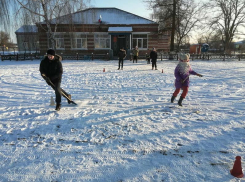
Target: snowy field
(123,128)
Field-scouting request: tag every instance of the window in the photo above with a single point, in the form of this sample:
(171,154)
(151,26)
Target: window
(36,45)
(25,45)
(102,41)
(59,40)
(78,41)
(140,40)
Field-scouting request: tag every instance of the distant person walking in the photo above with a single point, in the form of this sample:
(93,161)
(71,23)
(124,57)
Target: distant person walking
(182,73)
(135,54)
(153,56)
(121,57)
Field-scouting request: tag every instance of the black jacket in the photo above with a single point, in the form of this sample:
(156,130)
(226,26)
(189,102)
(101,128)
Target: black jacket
(153,55)
(52,68)
(122,54)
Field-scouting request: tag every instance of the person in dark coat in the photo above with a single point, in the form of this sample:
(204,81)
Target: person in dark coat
(51,70)
(182,73)
(135,54)
(121,57)
(153,56)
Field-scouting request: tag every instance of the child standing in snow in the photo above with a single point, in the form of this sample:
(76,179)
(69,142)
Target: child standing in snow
(153,56)
(121,56)
(182,72)
(136,54)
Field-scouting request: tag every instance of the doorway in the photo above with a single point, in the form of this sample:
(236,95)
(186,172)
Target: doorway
(118,41)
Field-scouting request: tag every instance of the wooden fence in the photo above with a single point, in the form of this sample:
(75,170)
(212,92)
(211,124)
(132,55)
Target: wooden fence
(161,57)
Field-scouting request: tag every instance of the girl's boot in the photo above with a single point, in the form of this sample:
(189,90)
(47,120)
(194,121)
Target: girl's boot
(172,99)
(180,101)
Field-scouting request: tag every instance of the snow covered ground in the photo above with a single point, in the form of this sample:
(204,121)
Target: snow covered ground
(123,129)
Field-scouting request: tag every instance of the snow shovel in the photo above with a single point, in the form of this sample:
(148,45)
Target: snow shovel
(62,92)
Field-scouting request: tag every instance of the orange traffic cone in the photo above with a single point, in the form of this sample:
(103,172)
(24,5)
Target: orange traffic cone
(237,168)
(104,70)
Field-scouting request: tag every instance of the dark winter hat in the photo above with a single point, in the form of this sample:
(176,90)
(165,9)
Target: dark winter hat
(51,52)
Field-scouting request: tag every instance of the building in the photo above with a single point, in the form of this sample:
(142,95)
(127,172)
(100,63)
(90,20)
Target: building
(195,49)
(101,31)
(27,39)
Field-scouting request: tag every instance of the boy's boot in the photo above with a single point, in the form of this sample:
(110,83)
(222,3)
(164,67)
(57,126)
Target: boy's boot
(172,99)
(180,101)
(58,106)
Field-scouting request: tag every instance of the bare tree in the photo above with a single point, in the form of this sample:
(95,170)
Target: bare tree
(50,11)
(165,14)
(4,38)
(5,13)
(227,17)
(179,17)
(188,16)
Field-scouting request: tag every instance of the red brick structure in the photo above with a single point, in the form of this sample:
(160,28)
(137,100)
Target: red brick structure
(195,49)
(102,31)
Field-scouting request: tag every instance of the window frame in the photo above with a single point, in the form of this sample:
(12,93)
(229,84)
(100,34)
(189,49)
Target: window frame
(59,39)
(75,36)
(102,39)
(142,40)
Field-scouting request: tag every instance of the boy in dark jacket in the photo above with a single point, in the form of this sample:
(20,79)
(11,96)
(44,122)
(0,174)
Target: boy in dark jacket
(121,57)
(153,56)
(51,70)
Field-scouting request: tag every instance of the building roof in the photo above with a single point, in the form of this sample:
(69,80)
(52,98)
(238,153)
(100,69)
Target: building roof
(105,15)
(27,29)
(240,42)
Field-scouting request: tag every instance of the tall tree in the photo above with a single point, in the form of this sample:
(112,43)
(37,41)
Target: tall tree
(4,38)
(188,15)
(164,12)
(47,10)
(179,17)
(227,17)
(5,13)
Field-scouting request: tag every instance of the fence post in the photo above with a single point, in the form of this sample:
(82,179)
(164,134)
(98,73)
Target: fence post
(208,56)
(108,57)
(239,57)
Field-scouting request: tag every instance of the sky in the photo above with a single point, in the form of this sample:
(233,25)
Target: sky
(137,7)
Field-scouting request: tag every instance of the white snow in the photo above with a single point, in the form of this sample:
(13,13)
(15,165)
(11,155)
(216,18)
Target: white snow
(109,16)
(122,128)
